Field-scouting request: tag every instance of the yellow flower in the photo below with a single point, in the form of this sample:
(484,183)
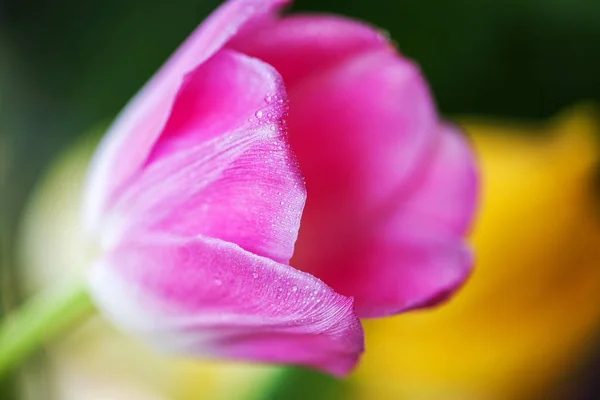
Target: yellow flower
(532,306)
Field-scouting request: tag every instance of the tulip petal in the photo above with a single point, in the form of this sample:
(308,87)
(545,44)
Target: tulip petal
(397,273)
(418,258)
(299,45)
(360,131)
(448,193)
(130,139)
(204,296)
(222,173)
(412,254)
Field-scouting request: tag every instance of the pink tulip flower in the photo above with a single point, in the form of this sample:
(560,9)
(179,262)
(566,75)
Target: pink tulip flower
(196,197)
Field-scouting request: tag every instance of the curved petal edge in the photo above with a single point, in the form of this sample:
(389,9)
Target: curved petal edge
(130,139)
(204,296)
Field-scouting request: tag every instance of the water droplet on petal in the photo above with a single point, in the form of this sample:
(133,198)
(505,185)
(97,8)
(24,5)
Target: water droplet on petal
(259,114)
(268,98)
(294,288)
(254,275)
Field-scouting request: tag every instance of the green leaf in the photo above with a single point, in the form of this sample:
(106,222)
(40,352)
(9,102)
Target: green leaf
(296,383)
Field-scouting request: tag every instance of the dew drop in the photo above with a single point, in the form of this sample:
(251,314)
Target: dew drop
(259,114)
(268,98)
(254,275)
(294,288)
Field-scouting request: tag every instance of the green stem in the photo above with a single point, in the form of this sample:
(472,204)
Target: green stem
(298,383)
(40,319)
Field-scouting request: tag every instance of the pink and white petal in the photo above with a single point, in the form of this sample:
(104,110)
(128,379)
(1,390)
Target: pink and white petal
(413,255)
(231,92)
(246,190)
(242,185)
(362,133)
(299,45)
(204,296)
(126,146)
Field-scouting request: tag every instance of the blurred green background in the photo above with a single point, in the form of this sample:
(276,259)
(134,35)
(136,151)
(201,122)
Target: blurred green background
(67,65)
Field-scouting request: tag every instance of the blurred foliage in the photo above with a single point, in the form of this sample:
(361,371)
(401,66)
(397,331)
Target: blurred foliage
(299,384)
